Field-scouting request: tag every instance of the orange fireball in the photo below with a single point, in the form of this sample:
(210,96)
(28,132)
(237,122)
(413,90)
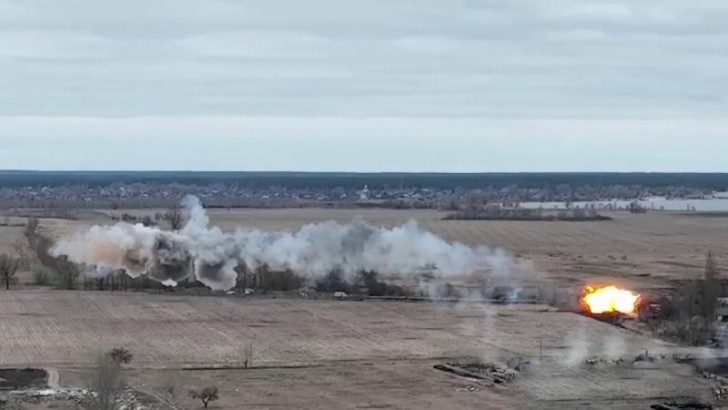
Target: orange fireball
(610,299)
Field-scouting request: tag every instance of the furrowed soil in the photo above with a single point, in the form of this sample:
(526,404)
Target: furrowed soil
(331,354)
(341,354)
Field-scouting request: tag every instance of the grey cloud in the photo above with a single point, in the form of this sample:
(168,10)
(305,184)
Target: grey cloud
(518,59)
(52,44)
(257,44)
(340,61)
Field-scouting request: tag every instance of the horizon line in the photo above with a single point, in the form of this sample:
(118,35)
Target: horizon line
(60,171)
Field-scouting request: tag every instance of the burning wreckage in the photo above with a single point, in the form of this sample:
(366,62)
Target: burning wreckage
(609,303)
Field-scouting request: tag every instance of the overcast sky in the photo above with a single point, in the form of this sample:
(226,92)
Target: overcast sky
(375,85)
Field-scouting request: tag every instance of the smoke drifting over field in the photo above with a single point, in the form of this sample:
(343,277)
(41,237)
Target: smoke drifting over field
(313,251)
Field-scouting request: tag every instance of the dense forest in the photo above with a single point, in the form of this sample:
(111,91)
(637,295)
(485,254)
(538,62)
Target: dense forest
(303,180)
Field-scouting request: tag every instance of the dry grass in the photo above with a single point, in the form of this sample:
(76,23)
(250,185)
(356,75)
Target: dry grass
(61,328)
(323,351)
(369,354)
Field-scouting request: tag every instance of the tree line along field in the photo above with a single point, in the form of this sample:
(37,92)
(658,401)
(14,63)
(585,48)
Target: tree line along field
(643,250)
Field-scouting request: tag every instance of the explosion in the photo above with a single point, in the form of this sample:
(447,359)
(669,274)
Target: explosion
(610,299)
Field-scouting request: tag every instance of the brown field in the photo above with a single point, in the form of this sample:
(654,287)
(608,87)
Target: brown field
(356,355)
(322,354)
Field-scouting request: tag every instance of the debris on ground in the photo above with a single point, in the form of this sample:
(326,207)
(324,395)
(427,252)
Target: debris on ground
(644,357)
(128,399)
(486,372)
(468,389)
(602,360)
(18,379)
(682,358)
(689,405)
(720,385)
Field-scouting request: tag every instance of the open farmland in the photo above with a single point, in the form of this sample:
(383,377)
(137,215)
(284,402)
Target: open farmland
(334,354)
(60,328)
(346,349)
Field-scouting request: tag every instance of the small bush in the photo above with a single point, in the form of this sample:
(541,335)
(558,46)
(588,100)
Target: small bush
(121,355)
(8,267)
(207,395)
(107,382)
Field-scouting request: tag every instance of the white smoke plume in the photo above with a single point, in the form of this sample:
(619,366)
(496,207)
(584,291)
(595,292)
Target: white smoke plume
(313,251)
(579,347)
(615,346)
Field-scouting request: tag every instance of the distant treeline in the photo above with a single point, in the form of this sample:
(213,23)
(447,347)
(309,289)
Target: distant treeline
(497,213)
(326,180)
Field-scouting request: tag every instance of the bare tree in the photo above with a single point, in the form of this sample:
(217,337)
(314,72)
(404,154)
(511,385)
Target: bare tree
(121,356)
(696,307)
(207,395)
(710,290)
(174,218)
(172,386)
(40,245)
(106,380)
(20,249)
(8,267)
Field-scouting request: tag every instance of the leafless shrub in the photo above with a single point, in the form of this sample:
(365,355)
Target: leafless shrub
(20,251)
(696,305)
(121,355)
(40,245)
(8,267)
(174,219)
(41,277)
(106,380)
(207,395)
(172,387)
(693,332)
